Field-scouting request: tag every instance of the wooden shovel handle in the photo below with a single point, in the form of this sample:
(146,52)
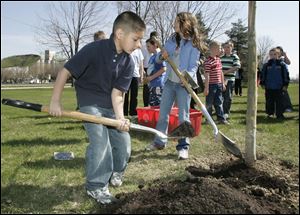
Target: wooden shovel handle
(86,117)
(70,114)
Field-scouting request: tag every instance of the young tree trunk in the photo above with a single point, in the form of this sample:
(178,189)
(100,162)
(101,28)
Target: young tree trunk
(250,150)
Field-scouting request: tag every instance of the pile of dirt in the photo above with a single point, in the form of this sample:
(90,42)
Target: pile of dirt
(270,187)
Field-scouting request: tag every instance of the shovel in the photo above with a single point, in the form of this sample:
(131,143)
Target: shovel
(229,145)
(183,130)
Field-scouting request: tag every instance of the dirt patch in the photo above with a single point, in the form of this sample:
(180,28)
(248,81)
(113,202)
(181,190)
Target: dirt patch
(270,187)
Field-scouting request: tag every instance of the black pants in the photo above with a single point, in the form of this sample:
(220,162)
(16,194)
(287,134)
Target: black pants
(238,87)
(274,102)
(146,92)
(146,95)
(286,100)
(133,91)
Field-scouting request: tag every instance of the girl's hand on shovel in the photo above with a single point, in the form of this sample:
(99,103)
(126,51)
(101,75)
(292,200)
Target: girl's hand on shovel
(164,55)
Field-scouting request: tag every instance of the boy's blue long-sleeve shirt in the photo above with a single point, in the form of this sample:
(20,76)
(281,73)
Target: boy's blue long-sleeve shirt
(274,75)
(188,58)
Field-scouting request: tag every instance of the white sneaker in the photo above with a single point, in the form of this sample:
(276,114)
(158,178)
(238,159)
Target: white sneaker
(226,116)
(116,179)
(289,110)
(102,195)
(183,154)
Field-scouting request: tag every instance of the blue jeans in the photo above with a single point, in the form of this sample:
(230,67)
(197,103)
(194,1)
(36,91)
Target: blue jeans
(108,151)
(172,91)
(215,98)
(227,95)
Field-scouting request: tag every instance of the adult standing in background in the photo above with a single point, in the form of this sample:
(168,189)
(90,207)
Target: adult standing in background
(287,104)
(238,82)
(137,78)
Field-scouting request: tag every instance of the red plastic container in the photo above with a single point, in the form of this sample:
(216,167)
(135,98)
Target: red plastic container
(149,116)
(146,116)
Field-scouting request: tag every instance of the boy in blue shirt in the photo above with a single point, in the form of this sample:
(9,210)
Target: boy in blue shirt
(274,79)
(103,71)
(155,74)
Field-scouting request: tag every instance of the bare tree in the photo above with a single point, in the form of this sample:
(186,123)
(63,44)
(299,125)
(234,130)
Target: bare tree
(161,21)
(160,15)
(216,15)
(141,8)
(71,23)
(265,43)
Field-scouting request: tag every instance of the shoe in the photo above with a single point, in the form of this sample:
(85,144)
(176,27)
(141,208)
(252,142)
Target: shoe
(116,179)
(280,117)
(102,196)
(224,122)
(226,116)
(153,147)
(288,110)
(183,154)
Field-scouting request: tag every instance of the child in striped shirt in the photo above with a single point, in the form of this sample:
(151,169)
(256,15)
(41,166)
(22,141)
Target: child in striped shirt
(214,82)
(230,64)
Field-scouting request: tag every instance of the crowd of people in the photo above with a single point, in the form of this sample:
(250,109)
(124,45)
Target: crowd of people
(108,73)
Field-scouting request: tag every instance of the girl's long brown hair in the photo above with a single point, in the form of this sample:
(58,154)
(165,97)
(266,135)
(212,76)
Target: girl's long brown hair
(189,27)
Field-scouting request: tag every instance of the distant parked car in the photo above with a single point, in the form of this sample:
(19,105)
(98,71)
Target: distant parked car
(35,81)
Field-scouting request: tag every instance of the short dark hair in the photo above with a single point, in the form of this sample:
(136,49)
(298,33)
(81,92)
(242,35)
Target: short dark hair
(153,34)
(280,48)
(151,41)
(99,35)
(129,22)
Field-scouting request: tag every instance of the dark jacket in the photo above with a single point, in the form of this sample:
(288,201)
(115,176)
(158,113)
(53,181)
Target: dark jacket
(274,75)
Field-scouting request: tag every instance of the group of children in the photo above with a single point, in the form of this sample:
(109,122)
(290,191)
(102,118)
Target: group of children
(104,71)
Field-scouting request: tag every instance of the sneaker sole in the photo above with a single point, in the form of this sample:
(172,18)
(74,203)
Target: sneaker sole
(155,148)
(181,158)
(101,202)
(116,185)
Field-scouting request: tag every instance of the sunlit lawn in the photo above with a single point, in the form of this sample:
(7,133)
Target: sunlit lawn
(33,182)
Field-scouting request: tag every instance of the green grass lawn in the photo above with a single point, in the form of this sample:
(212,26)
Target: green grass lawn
(33,182)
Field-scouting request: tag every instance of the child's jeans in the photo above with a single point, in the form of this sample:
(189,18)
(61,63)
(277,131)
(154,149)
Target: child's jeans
(173,91)
(215,98)
(108,151)
(227,95)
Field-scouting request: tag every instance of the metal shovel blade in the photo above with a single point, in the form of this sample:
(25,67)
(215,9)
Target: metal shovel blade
(185,129)
(229,145)
(190,80)
(148,129)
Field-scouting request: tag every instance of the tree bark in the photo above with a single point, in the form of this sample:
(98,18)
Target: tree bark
(250,155)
